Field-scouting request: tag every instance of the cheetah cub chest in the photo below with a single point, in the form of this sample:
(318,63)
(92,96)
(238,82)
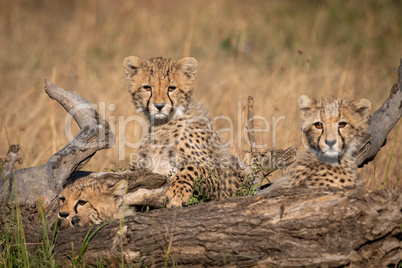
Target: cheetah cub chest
(333,131)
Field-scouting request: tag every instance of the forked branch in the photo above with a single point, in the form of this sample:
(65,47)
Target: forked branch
(46,181)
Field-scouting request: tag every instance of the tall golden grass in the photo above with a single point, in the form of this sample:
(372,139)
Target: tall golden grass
(272,50)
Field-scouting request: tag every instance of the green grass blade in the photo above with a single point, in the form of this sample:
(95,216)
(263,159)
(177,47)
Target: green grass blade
(77,261)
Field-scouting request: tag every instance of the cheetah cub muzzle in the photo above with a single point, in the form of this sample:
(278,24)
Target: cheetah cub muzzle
(181,141)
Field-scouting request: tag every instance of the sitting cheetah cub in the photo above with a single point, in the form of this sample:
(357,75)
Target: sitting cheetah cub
(181,141)
(90,201)
(333,131)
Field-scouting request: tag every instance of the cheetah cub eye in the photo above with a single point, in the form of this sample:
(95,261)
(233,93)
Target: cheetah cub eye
(342,124)
(318,125)
(172,89)
(147,88)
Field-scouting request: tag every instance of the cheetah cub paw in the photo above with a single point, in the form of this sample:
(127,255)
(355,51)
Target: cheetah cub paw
(178,195)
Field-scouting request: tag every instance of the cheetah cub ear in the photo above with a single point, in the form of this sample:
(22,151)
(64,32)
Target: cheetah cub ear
(118,190)
(131,65)
(363,108)
(188,66)
(306,106)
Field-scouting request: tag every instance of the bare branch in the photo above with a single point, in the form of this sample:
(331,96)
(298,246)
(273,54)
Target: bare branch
(382,122)
(278,159)
(147,197)
(250,125)
(44,182)
(94,136)
(7,162)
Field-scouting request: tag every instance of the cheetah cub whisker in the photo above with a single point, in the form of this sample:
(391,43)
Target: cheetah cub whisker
(181,134)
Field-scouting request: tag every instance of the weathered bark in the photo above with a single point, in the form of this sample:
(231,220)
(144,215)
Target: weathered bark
(293,228)
(46,181)
(382,122)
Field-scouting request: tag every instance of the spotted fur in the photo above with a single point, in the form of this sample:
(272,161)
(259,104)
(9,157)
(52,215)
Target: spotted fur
(333,131)
(90,201)
(181,141)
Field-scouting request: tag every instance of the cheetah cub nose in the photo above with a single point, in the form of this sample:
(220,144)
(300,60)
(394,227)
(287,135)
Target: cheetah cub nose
(330,143)
(64,214)
(159,106)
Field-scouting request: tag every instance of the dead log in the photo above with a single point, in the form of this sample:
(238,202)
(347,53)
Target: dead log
(297,227)
(46,181)
(292,228)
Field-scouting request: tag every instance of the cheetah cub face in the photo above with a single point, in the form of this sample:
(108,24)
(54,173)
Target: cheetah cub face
(161,88)
(89,201)
(333,128)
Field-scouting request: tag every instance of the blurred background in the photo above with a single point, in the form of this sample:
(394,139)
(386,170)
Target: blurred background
(274,51)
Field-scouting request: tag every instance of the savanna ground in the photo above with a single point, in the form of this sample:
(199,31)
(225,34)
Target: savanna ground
(272,50)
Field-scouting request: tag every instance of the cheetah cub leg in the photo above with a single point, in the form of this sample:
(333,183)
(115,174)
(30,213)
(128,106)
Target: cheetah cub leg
(181,186)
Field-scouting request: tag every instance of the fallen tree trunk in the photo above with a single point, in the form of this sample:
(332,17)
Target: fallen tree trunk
(292,228)
(296,227)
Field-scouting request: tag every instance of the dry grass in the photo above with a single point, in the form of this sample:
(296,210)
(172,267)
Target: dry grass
(272,50)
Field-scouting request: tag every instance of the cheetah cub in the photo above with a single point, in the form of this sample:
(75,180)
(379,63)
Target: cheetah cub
(333,131)
(90,201)
(181,142)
